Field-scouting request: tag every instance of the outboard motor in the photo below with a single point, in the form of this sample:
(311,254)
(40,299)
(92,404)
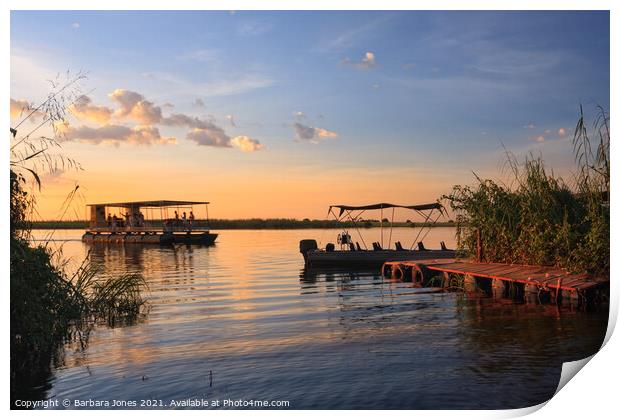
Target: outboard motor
(307,245)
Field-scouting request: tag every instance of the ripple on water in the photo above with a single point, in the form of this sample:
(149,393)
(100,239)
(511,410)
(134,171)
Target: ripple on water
(242,312)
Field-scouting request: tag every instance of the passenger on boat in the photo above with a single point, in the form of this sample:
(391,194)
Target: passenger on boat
(134,220)
(141,219)
(184,219)
(109,220)
(191,218)
(176,218)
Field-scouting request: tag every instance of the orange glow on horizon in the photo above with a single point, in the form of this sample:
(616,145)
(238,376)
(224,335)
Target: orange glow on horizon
(243,195)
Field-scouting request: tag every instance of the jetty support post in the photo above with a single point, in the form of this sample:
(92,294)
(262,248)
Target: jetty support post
(476,284)
(446,279)
(469,283)
(570,299)
(531,293)
(499,288)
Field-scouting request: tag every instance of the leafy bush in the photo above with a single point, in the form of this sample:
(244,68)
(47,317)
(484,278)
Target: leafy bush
(541,219)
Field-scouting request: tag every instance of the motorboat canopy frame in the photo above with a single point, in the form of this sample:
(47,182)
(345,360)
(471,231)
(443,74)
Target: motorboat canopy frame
(424,210)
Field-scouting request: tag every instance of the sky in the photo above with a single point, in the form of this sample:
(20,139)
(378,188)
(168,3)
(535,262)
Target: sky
(280,114)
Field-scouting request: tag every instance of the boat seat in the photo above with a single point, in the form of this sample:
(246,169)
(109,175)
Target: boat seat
(421,246)
(399,246)
(376,246)
(351,247)
(357,245)
(443,246)
(330,247)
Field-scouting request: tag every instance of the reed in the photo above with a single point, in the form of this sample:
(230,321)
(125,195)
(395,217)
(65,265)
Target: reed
(539,218)
(49,306)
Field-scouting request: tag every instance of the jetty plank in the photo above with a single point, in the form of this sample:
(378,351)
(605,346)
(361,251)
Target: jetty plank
(541,276)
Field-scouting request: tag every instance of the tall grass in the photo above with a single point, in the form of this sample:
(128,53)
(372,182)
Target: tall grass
(50,306)
(539,218)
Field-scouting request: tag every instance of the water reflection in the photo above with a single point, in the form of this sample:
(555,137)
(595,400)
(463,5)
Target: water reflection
(245,311)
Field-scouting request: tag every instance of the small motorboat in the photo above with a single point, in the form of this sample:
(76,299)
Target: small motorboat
(352,255)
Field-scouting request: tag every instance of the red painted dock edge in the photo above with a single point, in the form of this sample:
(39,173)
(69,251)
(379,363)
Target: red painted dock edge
(546,278)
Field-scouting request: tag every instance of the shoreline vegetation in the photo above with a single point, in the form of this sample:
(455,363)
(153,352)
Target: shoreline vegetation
(51,304)
(540,218)
(230,224)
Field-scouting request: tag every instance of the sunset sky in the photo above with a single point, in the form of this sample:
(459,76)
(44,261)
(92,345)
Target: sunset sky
(279,114)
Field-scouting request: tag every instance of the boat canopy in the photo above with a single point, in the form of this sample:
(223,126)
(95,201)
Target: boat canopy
(379,206)
(153,203)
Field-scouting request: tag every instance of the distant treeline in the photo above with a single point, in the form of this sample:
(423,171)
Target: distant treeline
(257,224)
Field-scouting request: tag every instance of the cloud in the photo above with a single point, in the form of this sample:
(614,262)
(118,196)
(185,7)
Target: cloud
(84,110)
(211,136)
(312,134)
(530,125)
(299,115)
(246,144)
(182,120)
(198,103)
(75,25)
(367,62)
(21,108)
(215,136)
(409,66)
(133,106)
(231,120)
(114,134)
(549,135)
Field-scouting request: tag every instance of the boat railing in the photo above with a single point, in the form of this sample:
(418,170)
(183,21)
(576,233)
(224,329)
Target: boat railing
(151,227)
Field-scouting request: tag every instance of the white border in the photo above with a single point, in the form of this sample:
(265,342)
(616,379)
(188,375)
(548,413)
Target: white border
(591,395)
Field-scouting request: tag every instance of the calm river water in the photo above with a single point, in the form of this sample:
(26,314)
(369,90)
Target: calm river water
(241,320)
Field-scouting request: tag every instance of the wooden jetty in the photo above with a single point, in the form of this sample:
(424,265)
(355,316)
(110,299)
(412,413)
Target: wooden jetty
(538,283)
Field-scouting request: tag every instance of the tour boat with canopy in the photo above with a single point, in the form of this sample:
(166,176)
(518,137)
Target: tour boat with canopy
(353,254)
(149,222)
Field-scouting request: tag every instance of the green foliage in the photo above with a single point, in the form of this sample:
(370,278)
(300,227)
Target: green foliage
(19,205)
(542,220)
(48,306)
